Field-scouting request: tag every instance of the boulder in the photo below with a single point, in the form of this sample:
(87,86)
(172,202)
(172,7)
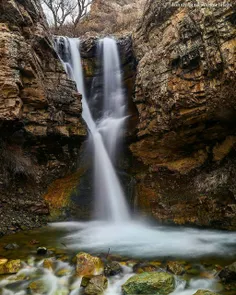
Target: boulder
(228,274)
(48,263)
(144,267)
(175,267)
(42,251)
(9,266)
(12,246)
(205,292)
(96,285)
(112,268)
(158,283)
(38,287)
(88,265)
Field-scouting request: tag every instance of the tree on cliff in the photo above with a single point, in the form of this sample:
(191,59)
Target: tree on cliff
(62,11)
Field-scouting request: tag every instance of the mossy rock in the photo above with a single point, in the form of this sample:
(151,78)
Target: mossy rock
(205,292)
(175,267)
(112,268)
(9,266)
(158,283)
(96,285)
(88,265)
(38,287)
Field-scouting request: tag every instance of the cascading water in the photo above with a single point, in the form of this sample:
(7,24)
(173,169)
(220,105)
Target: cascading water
(133,238)
(110,200)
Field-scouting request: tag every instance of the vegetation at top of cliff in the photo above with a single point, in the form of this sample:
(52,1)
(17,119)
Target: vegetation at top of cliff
(93,17)
(65,13)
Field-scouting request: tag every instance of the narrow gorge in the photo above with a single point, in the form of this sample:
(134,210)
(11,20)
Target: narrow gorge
(117,144)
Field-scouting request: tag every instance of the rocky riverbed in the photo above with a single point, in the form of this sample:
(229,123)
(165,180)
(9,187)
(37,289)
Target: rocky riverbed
(37,263)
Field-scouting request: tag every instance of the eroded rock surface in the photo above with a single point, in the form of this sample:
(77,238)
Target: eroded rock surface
(40,115)
(185,95)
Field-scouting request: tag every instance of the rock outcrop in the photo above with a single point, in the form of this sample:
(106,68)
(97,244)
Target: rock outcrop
(41,128)
(185,95)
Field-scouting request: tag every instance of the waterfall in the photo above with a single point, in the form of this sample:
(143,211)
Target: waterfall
(106,132)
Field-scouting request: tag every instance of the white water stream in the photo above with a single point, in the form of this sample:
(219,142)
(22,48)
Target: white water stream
(110,201)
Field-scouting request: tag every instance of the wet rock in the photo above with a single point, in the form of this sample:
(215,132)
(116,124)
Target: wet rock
(42,251)
(87,265)
(228,274)
(150,283)
(175,267)
(49,263)
(65,271)
(38,287)
(112,268)
(9,266)
(34,242)
(96,285)
(144,267)
(85,280)
(12,246)
(205,292)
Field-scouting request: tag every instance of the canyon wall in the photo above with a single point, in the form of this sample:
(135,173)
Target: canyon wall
(185,95)
(41,128)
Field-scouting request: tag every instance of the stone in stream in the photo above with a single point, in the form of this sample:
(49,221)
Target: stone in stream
(205,292)
(38,287)
(49,263)
(12,246)
(42,251)
(144,267)
(95,285)
(9,266)
(87,265)
(175,267)
(112,268)
(158,283)
(228,274)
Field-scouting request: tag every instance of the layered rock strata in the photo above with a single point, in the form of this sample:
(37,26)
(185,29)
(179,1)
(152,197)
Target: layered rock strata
(41,128)
(185,96)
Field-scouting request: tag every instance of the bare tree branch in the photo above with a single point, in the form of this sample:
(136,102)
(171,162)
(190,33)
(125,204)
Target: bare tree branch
(62,10)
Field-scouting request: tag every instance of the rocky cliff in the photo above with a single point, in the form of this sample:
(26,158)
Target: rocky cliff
(41,128)
(185,95)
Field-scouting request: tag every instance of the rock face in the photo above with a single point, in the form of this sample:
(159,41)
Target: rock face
(40,115)
(185,95)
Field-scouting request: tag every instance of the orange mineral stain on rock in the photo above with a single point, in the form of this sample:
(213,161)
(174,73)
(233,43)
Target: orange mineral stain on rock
(59,192)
